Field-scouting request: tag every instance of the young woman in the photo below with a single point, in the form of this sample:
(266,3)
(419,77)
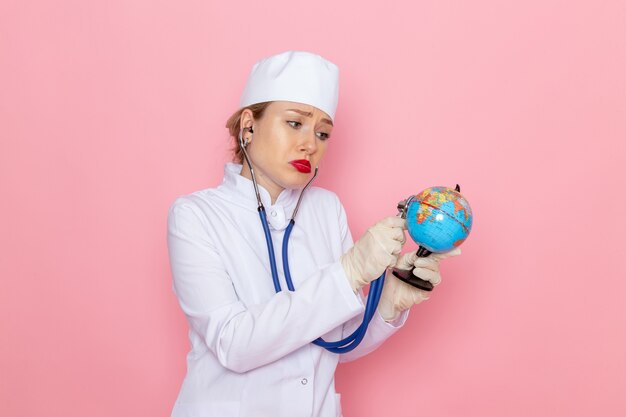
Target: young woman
(251,351)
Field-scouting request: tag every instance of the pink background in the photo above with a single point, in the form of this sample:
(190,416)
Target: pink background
(111,109)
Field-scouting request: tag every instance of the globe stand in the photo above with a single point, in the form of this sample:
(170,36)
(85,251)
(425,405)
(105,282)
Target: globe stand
(408,277)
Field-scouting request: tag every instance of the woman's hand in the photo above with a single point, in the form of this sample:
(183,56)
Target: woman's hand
(398,296)
(377,250)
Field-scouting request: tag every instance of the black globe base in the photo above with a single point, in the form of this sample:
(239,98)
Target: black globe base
(408,277)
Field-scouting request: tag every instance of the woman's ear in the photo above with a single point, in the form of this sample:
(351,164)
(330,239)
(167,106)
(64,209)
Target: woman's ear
(246,120)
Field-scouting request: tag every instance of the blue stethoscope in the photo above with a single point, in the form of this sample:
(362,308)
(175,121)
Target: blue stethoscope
(376,286)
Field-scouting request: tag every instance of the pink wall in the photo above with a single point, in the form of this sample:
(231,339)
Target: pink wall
(111,109)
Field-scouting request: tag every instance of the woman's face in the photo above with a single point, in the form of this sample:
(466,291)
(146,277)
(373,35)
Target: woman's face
(286,145)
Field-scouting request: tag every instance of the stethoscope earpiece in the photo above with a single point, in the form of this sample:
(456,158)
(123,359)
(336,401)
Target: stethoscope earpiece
(247,140)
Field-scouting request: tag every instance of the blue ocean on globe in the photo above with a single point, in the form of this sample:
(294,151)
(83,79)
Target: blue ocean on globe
(439,219)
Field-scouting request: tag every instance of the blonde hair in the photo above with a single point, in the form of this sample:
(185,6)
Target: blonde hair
(233,124)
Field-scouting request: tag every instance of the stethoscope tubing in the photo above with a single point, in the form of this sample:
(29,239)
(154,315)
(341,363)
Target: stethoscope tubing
(341,346)
(349,342)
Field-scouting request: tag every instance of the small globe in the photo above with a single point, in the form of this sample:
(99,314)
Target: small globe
(439,219)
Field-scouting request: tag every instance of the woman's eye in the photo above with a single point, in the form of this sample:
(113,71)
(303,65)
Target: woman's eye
(297,125)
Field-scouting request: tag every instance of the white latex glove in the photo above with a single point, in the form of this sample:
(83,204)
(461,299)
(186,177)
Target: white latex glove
(377,250)
(397,295)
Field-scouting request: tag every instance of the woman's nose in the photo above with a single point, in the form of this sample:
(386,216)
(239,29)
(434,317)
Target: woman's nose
(309,144)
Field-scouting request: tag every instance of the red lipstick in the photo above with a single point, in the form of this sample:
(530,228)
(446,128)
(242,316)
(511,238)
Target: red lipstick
(301,165)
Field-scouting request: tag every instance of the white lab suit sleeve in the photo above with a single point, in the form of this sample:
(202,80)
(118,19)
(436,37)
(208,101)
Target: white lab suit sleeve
(243,338)
(378,330)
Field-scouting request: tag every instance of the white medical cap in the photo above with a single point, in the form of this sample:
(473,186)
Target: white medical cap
(298,76)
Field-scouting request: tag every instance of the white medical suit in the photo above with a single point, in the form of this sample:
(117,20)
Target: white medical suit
(251,352)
